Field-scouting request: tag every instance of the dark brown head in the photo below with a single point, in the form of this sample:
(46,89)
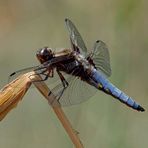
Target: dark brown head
(44,54)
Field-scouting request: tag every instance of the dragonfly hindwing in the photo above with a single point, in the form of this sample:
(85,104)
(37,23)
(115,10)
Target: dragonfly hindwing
(101,59)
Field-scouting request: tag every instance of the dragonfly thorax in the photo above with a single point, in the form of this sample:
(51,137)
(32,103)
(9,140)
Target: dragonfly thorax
(44,54)
(84,62)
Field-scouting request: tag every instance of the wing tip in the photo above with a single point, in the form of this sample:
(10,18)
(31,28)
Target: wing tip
(66,19)
(12,74)
(97,41)
(101,42)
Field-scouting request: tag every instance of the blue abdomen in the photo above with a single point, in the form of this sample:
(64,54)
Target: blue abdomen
(109,88)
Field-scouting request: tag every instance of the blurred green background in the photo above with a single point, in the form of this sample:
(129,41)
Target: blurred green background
(102,121)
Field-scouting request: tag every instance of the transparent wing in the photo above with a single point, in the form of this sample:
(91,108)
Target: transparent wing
(41,70)
(49,81)
(17,73)
(77,91)
(101,58)
(38,69)
(75,37)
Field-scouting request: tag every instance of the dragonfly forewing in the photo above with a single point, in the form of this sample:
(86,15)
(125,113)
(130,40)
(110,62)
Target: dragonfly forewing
(75,37)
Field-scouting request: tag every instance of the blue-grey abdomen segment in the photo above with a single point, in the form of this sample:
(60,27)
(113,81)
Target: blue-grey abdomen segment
(109,88)
(121,96)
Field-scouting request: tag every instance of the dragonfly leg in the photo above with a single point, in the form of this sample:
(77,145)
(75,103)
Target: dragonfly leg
(41,73)
(52,73)
(61,93)
(47,75)
(63,80)
(64,83)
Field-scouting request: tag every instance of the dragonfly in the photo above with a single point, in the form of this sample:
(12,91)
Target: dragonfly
(77,73)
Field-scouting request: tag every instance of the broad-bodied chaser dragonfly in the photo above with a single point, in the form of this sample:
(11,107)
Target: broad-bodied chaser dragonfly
(79,72)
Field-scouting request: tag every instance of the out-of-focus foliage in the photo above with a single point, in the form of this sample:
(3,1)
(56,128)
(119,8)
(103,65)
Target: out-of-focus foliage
(102,121)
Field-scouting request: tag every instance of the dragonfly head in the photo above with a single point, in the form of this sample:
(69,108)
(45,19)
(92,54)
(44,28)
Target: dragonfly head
(44,54)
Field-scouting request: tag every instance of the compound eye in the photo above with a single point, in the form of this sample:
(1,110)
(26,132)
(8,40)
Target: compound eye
(44,54)
(43,51)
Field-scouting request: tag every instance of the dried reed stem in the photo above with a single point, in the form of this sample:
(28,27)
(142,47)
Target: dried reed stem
(13,92)
(42,87)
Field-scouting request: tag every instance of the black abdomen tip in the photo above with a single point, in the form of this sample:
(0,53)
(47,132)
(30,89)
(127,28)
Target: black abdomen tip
(140,108)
